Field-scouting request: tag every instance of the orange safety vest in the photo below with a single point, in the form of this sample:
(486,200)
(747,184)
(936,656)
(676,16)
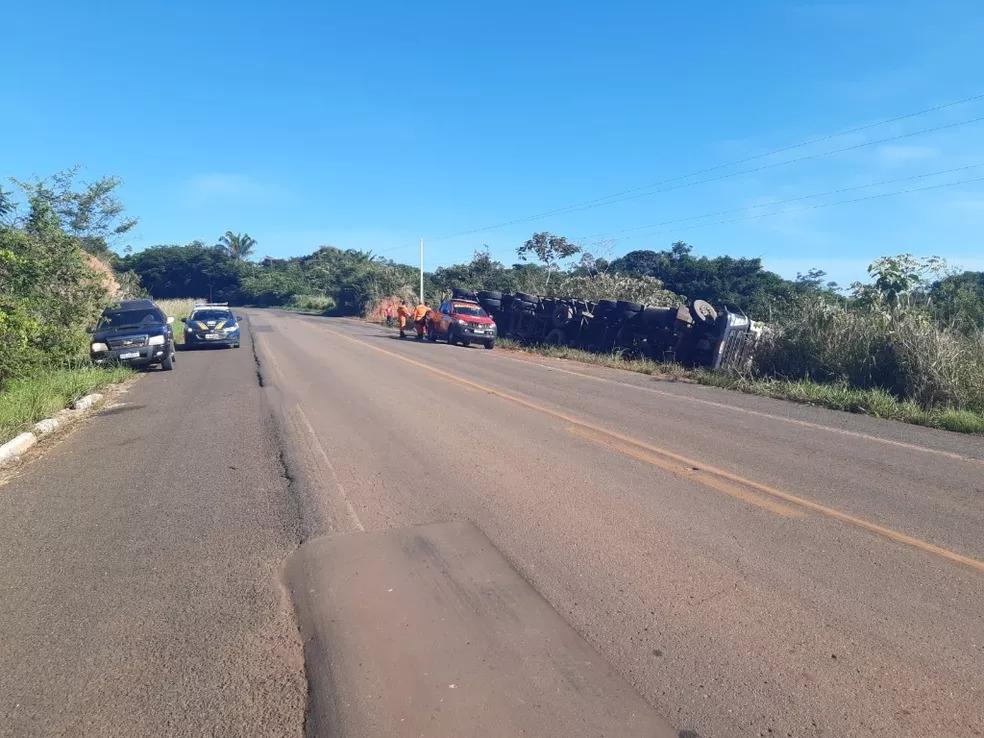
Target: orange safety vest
(420,312)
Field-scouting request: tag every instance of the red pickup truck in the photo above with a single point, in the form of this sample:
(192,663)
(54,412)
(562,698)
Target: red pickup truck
(461,321)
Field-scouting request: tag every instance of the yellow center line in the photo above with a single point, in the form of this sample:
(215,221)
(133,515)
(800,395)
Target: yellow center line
(701,475)
(548,364)
(889,533)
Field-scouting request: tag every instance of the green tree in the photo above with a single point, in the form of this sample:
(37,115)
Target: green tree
(958,300)
(89,211)
(48,293)
(481,273)
(549,249)
(239,246)
(194,270)
(6,204)
(723,280)
(898,277)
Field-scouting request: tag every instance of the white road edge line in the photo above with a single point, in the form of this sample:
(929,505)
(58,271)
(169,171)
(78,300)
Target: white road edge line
(758,413)
(353,515)
(747,411)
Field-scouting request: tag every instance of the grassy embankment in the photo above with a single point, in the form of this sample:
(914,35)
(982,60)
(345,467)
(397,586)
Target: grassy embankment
(874,402)
(27,400)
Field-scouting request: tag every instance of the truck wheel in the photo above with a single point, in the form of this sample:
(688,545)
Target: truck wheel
(490,345)
(450,338)
(466,343)
(168,363)
(556,337)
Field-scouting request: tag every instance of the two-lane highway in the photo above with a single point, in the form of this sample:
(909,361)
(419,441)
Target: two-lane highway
(751,567)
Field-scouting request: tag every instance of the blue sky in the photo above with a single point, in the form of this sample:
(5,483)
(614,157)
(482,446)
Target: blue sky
(368,125)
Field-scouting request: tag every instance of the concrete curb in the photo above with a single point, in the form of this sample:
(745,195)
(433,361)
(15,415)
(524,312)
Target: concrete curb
(46,426)
(84,403)
(16,446)
(19,444)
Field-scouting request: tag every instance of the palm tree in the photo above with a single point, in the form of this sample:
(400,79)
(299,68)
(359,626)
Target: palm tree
(238,245)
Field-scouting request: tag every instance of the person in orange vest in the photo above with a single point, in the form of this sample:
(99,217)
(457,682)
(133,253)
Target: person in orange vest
(420,319)
(403,313)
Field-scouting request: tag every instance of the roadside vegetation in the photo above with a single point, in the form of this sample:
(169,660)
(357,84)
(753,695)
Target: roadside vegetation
(26,400)
(837,395)
(908,344)
(179,309)
(52,289)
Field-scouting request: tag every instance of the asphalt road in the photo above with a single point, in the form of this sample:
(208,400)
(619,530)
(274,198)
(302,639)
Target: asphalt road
(751,567)
(140,591)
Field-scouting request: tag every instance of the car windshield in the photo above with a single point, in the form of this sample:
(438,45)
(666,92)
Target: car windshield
(206,315)
(121,318)
(469,310)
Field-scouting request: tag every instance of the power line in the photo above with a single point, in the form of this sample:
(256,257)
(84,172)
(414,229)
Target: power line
(836,202)
(786,201)
(633,193)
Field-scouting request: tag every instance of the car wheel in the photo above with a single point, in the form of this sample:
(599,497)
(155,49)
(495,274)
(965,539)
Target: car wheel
(466,343)
(490,345)
(168,363)
(235,345)
(450,337)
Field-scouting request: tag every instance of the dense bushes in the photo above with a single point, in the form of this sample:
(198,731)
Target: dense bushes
(49,295)
(723,280)
(644,290)
(180,271)
(899,348)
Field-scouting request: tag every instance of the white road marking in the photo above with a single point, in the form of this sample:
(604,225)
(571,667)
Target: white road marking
(353,515)
(757,413)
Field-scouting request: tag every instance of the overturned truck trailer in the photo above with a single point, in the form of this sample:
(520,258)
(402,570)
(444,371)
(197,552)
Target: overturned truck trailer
(694,335)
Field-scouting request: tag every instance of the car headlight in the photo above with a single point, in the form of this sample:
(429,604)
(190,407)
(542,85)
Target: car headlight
(155,341)
(462,322)
(99,347)
(231,328)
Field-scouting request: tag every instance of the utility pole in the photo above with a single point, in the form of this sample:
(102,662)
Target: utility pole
(421,271)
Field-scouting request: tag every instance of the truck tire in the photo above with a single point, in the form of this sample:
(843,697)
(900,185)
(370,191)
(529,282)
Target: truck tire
(450,337)
(489,345)
(628,307)
(489,295)
(489,304)
(167,364)
(556,337)
(525,297)
(562,314)
(703,312)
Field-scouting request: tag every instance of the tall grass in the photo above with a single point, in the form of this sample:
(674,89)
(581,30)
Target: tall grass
(26,400)
(178,308)
(899,350)
(836,395)
(320,304)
